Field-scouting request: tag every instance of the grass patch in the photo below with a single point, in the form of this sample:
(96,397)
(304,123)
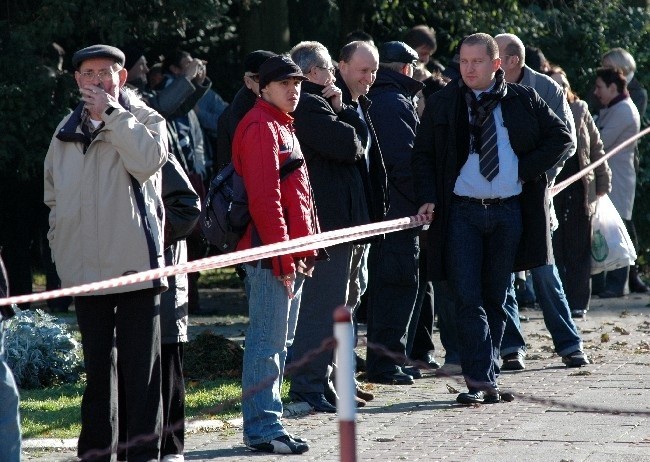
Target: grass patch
(51,412)
(55,412)
(216,399)
(38,278)
(225,278)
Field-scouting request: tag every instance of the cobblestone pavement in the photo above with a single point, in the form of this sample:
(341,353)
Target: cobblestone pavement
(597,413)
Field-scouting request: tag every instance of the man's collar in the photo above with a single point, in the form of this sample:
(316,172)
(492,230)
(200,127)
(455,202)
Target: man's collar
(521,75)
(487,90)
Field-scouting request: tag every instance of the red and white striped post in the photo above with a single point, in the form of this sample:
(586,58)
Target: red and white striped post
(345,386)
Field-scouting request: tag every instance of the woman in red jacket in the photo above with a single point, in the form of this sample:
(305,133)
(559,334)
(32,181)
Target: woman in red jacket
(281,209)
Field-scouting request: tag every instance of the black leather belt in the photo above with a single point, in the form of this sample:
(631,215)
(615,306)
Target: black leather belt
(485,202)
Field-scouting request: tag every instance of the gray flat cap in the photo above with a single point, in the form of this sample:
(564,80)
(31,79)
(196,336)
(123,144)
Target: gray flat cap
(98,51)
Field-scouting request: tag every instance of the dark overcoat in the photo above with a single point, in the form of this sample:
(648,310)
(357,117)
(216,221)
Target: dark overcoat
(334,155)
(539,139)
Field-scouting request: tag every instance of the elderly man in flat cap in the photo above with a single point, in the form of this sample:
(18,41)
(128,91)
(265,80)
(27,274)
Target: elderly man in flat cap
(102,184)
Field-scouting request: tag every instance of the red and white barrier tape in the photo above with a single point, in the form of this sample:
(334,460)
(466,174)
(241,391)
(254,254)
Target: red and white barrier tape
(560,186)
(315,241)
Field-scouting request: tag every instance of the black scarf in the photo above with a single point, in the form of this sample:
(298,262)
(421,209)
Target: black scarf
(618,98)
(480,110)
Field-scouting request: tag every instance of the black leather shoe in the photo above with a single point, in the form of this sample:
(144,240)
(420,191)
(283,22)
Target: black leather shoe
(609,294)
(332,397)
(578,314)
(413,371)
(429,359)
(392,378)
(478,397)
(513,362)
(314,399)
(576,359)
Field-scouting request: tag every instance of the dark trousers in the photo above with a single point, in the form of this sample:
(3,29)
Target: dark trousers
(420,337)
(120,335)
(173,398)
(196,250)
(393,286)
(481,246)
(445,305)
(572,246)
(322,293)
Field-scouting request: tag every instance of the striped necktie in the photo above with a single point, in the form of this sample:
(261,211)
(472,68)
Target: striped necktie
(489,158)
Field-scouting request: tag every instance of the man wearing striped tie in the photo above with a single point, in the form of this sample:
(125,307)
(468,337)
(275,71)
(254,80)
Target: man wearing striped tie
(479,164)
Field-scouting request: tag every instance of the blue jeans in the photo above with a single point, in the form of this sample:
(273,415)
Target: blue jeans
(555,308)
(481,245)
(273,318)
(9,417)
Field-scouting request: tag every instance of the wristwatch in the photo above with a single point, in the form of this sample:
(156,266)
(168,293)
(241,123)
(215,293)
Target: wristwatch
(109,110)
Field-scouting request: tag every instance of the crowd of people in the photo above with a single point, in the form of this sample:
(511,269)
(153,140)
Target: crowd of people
(383,132)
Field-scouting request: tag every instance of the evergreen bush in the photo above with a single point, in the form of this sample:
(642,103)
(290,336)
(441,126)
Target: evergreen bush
(41,352)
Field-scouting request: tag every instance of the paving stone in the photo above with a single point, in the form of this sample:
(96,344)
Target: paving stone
(594,414)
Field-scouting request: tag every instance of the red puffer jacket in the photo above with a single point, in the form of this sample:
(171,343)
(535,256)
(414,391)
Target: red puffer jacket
(280,210)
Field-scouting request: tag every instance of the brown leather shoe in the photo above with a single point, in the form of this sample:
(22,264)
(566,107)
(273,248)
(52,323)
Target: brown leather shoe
(364,395)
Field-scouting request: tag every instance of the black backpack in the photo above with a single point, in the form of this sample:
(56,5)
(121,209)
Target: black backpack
(225,216)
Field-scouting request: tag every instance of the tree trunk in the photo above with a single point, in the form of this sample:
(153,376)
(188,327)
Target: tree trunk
(265,25)
(352,16)
(317,20)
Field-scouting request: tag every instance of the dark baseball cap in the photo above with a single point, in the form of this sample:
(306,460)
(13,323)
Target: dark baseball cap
(279,68)
(397,52)
(98,51)
(254,59)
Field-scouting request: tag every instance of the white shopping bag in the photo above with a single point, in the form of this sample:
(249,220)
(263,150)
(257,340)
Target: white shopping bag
(611,246)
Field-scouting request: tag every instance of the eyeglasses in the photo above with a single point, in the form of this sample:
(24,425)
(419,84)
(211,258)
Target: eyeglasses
(101,75)
(331,70)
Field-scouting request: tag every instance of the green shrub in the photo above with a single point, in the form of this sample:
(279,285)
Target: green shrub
(40,350)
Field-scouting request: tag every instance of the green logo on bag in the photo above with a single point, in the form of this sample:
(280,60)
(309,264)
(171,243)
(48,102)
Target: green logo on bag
(599,249)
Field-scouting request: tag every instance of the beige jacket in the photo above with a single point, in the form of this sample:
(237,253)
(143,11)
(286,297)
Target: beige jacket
(103,190)
(590,149)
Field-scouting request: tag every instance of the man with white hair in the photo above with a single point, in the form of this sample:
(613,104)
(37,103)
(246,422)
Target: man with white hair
(334,163)
(546,279)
